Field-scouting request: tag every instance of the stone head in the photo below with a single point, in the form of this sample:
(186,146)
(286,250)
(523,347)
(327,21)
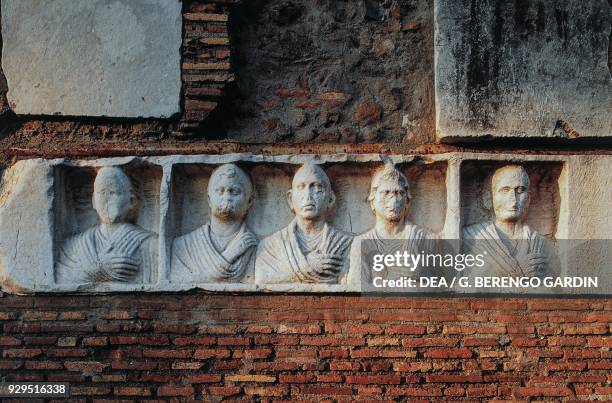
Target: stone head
(311,195)
(389,194)
(510,193)
(113,198)
(230,193)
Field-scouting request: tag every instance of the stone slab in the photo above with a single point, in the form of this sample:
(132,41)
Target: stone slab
(570,200)
(518,68)
(118,58)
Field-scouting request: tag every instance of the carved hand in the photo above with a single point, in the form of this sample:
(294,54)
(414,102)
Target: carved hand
(239,246)
(118,267)
(325,265)
(532,264)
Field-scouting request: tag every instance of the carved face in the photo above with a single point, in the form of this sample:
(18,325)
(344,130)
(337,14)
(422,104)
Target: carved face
(112,197)
(390,201)
(229,197)
(310,196)
(510,193)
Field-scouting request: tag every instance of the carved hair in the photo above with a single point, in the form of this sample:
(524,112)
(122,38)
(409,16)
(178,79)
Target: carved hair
(232,171)
(389,173)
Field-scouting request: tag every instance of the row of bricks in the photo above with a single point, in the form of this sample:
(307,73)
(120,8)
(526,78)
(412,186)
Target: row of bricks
(288,317)
(339,391)
(335,340)
(300,302)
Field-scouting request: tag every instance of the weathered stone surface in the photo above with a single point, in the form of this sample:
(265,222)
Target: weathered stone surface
(92,58)
(448,192)
(308,64)
(523,68)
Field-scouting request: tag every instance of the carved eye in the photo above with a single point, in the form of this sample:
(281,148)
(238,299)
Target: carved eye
(505,189)
(521,189)
(234,191)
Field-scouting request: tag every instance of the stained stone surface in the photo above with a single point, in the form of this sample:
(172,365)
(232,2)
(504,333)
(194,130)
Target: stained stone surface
(520,68)
(570,199)
(117,58)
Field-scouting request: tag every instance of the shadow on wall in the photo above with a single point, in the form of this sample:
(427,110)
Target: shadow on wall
(330,71)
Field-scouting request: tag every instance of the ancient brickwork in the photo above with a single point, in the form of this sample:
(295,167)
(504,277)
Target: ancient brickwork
(316,347)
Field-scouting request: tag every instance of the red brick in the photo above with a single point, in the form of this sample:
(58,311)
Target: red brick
(566,341)
(10,365)
(132,391)
(9,341)
(480,341)
(335,353)
(297,378)
(331,341)
(430,341)
(599,341)
(175,391)
(374,379)
(205,17)
(43,365)
(167,353)
(417,366)
(364,329)
(454,378)
(267,391)
(595,328)
(265,329)
(533,391)
(300,329)
(326,390)
(454,391)
(448,353)
(330,378)
(292,93)
(134,365)
(21,353)
(66,352)
(40,340)
(528,342)
(420,392)
(202,354)
(405,329)
(65,328)
(39,315)
(224,390)
(233,341)
(73,315)
(253,354)
(479,391)
(85,366)
(204,378)
(89,390)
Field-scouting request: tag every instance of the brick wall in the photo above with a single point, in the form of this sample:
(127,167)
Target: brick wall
(315,347)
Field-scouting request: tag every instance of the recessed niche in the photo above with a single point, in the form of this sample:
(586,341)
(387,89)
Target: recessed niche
(544,193)
(74,212)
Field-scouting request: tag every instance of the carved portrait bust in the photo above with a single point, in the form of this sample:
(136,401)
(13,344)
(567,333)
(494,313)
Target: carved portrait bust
(513,247)
(308,250)
(115,250)
(223,249)
(390,200)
